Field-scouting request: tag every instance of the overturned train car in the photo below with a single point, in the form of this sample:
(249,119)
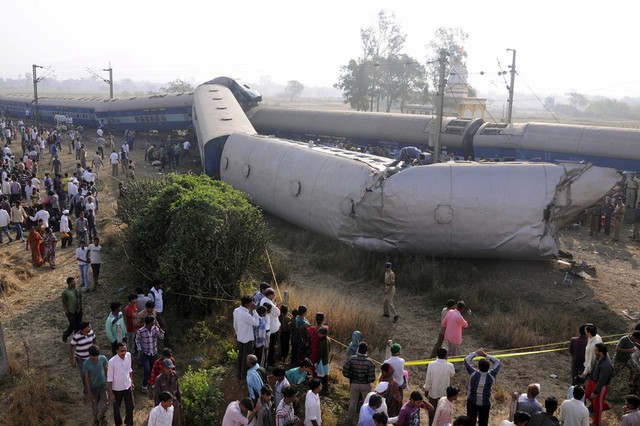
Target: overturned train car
(492,210)
(466,138)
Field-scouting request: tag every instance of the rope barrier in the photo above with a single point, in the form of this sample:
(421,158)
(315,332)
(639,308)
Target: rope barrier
(273,273)
(499,356)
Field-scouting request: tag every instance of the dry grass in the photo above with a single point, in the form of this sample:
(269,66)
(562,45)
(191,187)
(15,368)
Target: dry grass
(343,315)
(36,401)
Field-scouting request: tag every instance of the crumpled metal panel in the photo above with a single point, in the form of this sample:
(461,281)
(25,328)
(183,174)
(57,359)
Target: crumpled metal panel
(454,210)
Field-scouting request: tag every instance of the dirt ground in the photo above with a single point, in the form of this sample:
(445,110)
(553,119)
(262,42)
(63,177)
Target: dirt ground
(33,319)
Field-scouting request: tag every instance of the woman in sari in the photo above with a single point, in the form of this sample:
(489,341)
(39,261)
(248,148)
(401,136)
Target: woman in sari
(392,395)
(34,240)
(49,252)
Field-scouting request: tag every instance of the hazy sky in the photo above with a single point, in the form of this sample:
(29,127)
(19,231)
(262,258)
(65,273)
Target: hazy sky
(562,45)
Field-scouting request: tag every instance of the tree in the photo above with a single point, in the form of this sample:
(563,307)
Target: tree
(293,89)
(177,86)
(199,234)
(354,83)
(402,80)
(452,41)
(577,100)
(549,103)
(378,73)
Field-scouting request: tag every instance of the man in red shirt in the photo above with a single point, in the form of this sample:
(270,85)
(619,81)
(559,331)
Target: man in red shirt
(130,313)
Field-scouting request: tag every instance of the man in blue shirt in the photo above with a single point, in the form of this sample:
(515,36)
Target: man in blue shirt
(254,379)
(368,410)
(480,385)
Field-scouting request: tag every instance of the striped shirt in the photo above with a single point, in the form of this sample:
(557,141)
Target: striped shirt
(285,414)
(82,344)
(480,384)
(147,340)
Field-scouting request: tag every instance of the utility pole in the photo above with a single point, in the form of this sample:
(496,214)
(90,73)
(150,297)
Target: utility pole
(513,79)
(110,81)
(439,106)
(35,90)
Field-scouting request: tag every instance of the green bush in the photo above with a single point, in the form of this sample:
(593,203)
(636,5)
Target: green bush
(198,234)
(201,396)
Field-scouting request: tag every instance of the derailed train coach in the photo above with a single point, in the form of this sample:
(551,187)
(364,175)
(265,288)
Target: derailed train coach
(463,137)
(169,111)
(480,210)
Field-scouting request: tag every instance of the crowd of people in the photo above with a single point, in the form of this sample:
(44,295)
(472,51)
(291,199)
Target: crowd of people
(284,361)
(134,332)
(39,200)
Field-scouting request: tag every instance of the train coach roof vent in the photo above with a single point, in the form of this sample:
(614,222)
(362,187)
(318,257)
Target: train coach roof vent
(226,119)
(132,98)
(217,98)
(493,129)
(190,93)
(213,90)
(221,107)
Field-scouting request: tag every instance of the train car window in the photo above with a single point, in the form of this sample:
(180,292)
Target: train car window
(137,119)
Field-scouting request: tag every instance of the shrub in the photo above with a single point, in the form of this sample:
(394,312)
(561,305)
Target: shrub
(199,234)
(209,337)
(201,396)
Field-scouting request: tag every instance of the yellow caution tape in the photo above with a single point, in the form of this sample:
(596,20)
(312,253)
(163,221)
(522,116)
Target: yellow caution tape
(499,356)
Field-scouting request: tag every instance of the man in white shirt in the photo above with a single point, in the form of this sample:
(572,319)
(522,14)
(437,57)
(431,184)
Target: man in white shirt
(83,258)
(398,365)
(64,227)
(94,253)
(120,384)
(573,412)
(439,374)
(5,220)
(312,414)
(236,414)
(42,214)
(72,188)
(244,319)
(114,160)
(162,414)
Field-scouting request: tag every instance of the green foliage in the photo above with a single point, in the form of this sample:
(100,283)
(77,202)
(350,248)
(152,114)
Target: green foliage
(383,75)
(177,86)
(198,234)
(201,396)
(210,339)
(452,41)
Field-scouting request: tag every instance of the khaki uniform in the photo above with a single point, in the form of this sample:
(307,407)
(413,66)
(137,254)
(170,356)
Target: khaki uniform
(389,293)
